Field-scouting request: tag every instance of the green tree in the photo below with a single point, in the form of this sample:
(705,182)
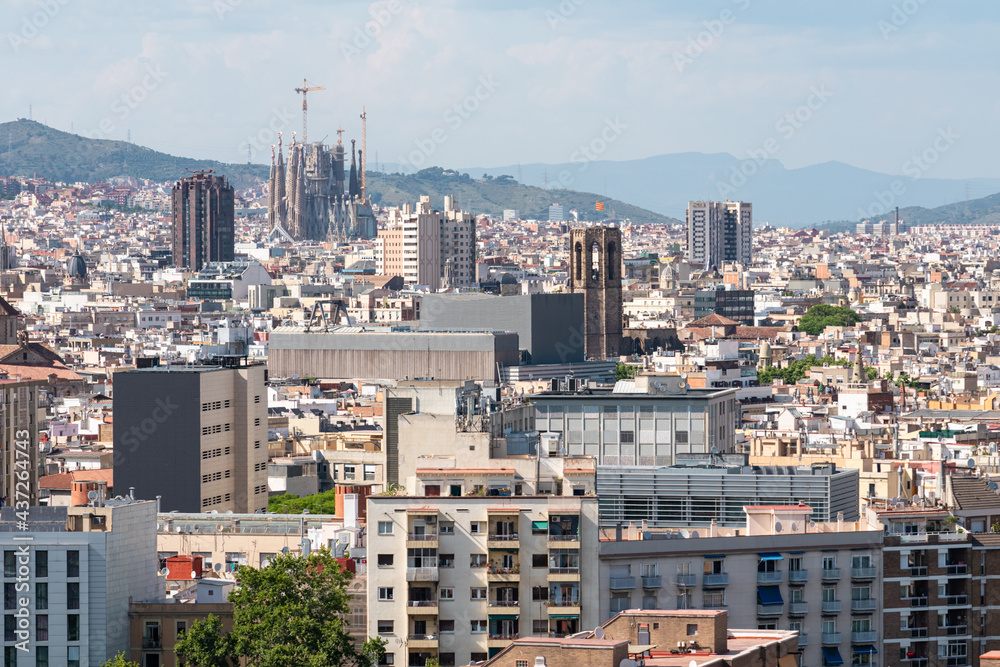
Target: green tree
(821,316)
(290,613)
(872,373)
(797,369)
(318,503)
(119,661)
(204,645)
(624,371)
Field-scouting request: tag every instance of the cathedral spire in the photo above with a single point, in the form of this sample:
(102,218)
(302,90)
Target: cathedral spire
(353,190)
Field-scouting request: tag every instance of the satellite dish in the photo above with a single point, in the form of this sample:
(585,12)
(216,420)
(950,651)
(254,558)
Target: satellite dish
(627,662)
(694,534)
(194,575)
(92,495)
(177,529)
(599,632)
(217,567)
(971,463)
(993,486)
(684,376)
(894,500)
(219,527)
(165,572)
(685,534)
(778,527)
(285,550)
(187,528)
(670,535)
(795,527)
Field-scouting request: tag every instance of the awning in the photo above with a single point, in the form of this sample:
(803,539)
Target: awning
(715,556)
(831,656)
(539,525)
(787,661)
(502,617)
(864,650)
(768,595)
(770,556)
(564,617)
(638,649)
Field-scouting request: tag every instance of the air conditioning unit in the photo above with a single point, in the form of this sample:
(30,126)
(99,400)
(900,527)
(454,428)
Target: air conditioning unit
(431,520)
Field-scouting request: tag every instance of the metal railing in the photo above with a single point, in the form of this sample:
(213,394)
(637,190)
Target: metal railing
(564,570)
(831,606)
(715,580)
(622,583)
(831,573)
(421,603)
(951,600)
(798,607)
(831,637)
(863,572)
(682,580)
(655,582)
(864,605)
(958,568)
(866,637)
(769,577)
(798,575)
(429,638)
(770,609)
(422,537)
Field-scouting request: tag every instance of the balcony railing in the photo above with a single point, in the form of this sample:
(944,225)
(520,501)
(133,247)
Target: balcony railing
(798,575)
(564,570)
(958,568)
(831,637)
(915,661)
(715,580)
(507,537)
(956,629)
(918,600)
(866,637)
(421,574)
(958,661)
(682,580)
(952,600)
(770,609)
(769,577)
(798,607)
(917,633)
(564,538)
(421,603)
(918,571)
(831,573)
(150,642)
(622,583)
(655,582)
(803,640)
(830,606)
(863,572)
(422,537)
(428,638)
(504,603)
(864,605)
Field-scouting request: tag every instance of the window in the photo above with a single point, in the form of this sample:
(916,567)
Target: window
(41,564)
(73,656)
(861,593)
(385,560)
(829,562)
(684,600)
(795,626)
(714,566)
(829,594)
(477,593)
(477,560)
(181,628)
(477,527)
(478,657)
(539,560)
(9,564)
(388,659)
(829,626)
(41,656)
(796,595)
(9,596)
(540,627)
(446,528)
(10,655)
(385,627)
(861,562)
(767,626)
(265,558)
(520,663)
(73,595)
(42,628)
(692,629)
(446,593)
(385,593)
(385,527)
(446,626)
(73,627)
(446,560)
(478,627)
(9,627)
(447,660)
(73,564)
(794,564)
(714,599)
(540,593)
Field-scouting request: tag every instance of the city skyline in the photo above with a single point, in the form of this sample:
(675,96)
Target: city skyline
(524,82)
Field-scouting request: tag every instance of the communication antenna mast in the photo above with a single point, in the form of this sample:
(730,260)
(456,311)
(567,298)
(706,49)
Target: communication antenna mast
(364,148)
(305,107)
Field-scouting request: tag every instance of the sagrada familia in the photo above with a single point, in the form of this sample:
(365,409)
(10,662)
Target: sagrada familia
(309,199)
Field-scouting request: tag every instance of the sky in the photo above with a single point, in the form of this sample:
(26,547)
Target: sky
(886,85)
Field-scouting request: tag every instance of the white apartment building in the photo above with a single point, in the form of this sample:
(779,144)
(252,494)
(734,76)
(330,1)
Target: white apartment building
(458,578)
(719,232)
(82,565)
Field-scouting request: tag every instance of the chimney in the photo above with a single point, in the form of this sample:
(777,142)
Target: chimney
(618,532)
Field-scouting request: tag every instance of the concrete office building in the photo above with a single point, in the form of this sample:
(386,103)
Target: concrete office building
(734,304)
(203,221)
(780,571)
(717,492)
(195,436)
(428,247)
(549,327)
(459,578)
(719,233)
(19,440)
(353,352)
(84,564)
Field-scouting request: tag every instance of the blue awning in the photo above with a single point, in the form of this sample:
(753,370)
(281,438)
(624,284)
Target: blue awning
(770,556)
(864,650)
(768,595)
(713,556)
(831,656)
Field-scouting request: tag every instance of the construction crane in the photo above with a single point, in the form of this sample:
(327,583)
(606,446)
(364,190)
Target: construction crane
(364,148)
(305,89)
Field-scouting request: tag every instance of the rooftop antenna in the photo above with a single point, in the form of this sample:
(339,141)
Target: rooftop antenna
(305,107)
(364,148)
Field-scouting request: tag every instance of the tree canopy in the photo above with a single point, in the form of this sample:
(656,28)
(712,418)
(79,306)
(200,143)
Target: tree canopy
(821,316)
(119,661)
(798,369)
(290,613)
(318,503)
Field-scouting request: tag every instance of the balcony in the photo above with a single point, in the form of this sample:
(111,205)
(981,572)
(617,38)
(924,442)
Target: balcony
(952,630)
(564,541)
(869,637)
(500,575)
(831,637)
(917,633)
(682,580)
(503,542)
(831,606)
(957,568)
(622,583)
(565,574)
(513,605)
(919,600)
(863,572)
(422,541)
(500,641)
(803,640)
(657,582)
(957,661)
(831,573)
(770,609)
(151,642)
(955,600)
(715,580)
(422,641)
(769,577)
(864,605)
(798,607)
(422,607)
(421,574)
(798,575)
(918,571)
(564,607)
(915,661)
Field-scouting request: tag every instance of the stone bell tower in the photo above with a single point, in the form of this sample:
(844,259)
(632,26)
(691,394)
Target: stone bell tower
(595,261)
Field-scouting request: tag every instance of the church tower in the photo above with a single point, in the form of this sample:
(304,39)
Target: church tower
(595,261)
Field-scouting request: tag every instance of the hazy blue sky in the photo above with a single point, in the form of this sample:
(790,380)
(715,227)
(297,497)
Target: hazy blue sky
(873,82)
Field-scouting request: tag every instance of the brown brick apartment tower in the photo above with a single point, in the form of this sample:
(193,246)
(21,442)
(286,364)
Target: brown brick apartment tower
(595,271)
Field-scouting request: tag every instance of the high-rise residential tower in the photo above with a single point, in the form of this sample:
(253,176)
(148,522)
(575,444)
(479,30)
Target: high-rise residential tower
(719,232)
(203,221)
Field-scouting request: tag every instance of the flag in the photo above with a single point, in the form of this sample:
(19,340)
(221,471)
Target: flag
(600,206)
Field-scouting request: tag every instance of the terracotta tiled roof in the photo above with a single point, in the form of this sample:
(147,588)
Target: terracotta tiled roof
(714,320)
(64,481)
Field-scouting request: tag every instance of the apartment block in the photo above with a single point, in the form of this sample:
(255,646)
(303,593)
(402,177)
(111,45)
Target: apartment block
(428,247)
(781,571)
(194,436)
(719,233)
(19,462)
(457,579)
